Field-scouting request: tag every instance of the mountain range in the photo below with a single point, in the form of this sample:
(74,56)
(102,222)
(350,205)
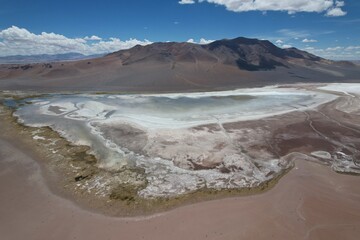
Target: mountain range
(42,58)
(173,66)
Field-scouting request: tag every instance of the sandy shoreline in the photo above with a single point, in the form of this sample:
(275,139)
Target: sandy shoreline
(310,202)
(58,171)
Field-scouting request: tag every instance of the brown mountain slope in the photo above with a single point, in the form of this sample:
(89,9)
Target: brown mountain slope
(246,54)
(223,64)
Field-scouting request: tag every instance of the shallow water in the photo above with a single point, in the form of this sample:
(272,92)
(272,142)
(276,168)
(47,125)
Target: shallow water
(76,118)
(168,110)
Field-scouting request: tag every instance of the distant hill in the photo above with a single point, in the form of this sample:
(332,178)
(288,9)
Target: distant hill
(173,66)
(41,58)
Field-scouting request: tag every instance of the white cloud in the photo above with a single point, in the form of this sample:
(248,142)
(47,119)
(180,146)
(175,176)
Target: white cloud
(187,2)
(337,52)
(330,7)
(340,3)
(335,12)
(205,41)
(92,38)
(202,41)
(115,44)
(295,34)
(305,40)
(334,48)
(19,41)
(351,48)
(282,44)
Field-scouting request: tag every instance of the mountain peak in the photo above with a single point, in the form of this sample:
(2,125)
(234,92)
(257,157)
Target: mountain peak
(248,54)
(164,66)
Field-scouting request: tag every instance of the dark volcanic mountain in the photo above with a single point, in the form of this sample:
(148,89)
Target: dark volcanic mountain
(246,54)
(172,66)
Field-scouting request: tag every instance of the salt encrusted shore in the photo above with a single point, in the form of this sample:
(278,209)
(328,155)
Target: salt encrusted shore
(310,202)
(326,134)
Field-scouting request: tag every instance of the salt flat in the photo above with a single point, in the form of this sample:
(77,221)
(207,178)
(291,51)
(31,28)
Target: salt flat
(171,111)
(178,139)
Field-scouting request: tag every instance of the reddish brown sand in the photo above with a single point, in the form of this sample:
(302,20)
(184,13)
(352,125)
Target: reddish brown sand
(310,202)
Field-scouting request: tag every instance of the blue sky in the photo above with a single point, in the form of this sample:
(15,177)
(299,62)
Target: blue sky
(325,27)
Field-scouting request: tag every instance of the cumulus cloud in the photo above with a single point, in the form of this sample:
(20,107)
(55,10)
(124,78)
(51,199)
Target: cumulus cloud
(20,41)
(93,38)
(336,52)
(282,43)
(205,41)
(329,7)
(305,40)
(335,12)
(201,41)
(187,2)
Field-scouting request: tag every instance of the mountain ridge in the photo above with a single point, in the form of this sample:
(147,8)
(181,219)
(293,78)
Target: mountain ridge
(239,51)
(173,66)
(43,58)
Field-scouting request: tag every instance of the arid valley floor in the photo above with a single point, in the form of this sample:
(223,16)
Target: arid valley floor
(278,162)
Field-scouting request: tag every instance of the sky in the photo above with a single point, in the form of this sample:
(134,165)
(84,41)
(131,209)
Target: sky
(328,28)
